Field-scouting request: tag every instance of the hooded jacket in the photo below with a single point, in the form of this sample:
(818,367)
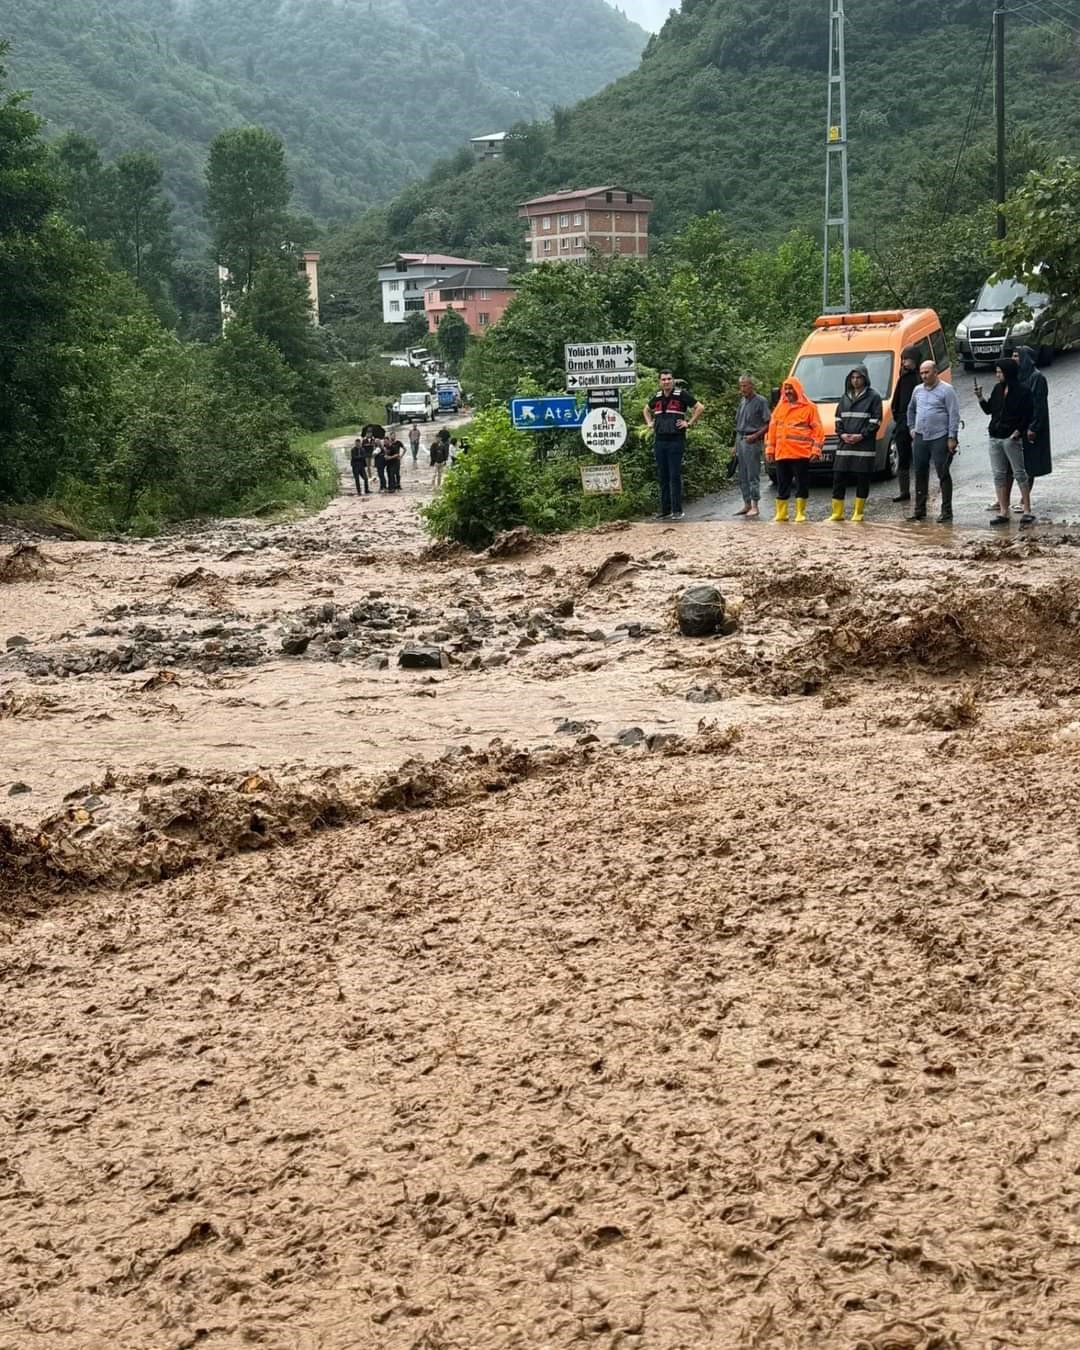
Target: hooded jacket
(906,384)
(858,414)
(795,430)
(1010,404)
(1038,459)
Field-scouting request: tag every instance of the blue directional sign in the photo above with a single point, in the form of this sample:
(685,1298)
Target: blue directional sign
(546,414)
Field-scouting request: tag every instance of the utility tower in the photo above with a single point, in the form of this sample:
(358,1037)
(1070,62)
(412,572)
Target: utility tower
(837,215)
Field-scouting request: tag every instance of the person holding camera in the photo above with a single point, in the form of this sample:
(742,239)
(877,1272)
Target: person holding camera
(670,413)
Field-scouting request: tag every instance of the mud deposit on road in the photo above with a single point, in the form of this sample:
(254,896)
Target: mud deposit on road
(576,983)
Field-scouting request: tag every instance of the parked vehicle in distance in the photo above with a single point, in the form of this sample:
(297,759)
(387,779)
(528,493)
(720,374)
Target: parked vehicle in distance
(984,334)
(400,363)
(838,343)
(416,356)
(414,407)
(448,393)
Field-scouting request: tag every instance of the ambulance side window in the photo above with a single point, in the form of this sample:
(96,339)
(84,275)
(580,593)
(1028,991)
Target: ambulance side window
(941,352)
(925,352)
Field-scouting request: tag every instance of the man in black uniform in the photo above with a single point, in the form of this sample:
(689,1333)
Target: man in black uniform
(671,413)
(906,384)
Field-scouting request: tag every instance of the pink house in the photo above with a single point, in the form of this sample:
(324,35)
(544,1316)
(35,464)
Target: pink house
(479,294)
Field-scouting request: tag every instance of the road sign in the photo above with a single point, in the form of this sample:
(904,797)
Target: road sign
(545,414)
(604,431)
(605,398)
(600,478)
(600,355)
(601,379)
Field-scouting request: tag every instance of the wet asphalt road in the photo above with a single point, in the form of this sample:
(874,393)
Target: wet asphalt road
(1054,499)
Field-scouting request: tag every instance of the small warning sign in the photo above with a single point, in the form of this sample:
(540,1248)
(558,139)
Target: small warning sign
(601,478)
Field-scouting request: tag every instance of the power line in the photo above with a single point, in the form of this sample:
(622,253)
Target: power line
(1062,33)
(1034,4)
(969,125)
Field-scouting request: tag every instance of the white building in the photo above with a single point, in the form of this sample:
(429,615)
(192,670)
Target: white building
(404,281)
(490,146)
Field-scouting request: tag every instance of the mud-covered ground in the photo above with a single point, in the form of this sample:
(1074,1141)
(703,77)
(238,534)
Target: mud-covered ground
(589,985)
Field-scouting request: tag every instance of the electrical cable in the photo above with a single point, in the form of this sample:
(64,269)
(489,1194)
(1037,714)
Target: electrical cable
(969,125)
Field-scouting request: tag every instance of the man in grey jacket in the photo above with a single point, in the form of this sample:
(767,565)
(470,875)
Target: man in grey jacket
(751,424)
(934,419)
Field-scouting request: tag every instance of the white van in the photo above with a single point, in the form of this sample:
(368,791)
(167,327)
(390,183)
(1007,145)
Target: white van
(414,407)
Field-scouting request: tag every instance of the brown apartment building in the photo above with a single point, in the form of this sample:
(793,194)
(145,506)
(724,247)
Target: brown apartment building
(566,225)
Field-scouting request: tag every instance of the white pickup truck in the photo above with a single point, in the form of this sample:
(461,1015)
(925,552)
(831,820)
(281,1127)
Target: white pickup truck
(413,407)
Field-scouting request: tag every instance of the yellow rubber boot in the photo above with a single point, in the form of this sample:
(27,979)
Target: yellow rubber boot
(860,507)
(800,510)
(781,510)
(837,509)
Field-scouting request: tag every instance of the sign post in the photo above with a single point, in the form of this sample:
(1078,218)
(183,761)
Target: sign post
(600,365)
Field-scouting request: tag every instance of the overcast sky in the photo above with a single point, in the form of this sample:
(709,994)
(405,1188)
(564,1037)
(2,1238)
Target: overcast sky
(649,13)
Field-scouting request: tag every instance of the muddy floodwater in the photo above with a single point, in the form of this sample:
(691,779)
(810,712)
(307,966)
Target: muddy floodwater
(575,983)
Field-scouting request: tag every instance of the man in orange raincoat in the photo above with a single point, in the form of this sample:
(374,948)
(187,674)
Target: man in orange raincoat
(795,438)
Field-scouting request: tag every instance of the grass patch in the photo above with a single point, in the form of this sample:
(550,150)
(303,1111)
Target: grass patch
(300,496)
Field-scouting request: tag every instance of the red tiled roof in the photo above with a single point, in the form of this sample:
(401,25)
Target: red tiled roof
(436,259)
(570,194)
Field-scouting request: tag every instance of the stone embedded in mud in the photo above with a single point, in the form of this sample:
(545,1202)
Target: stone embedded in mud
(660,740)
(708,694)
(19,789)
(378,662)
(415,656)
(295,644)
(631,736)
(17,640)
(700,611)
(570,728)
(564,608)
(495,659)
(510,542)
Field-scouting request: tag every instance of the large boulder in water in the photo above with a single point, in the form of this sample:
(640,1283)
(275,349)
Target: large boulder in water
(700,612)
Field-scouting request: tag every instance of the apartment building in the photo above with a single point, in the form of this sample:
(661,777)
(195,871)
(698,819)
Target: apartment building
(479,294)
(404,281)
(564,226)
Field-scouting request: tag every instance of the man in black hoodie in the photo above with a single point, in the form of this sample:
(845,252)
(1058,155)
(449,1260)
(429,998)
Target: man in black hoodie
(906,384)
(858,420)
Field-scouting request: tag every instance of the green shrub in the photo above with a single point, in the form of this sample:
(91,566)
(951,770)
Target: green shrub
(486,490)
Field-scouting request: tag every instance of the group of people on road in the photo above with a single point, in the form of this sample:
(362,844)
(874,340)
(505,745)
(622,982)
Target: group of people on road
(377,452)
(926,417)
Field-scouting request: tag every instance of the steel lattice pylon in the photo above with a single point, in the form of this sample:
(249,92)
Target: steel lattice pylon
(837,222)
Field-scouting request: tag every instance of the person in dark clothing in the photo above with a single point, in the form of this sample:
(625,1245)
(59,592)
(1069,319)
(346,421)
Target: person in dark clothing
(1010,408)
(1038,459)
(380,462)
(438,455)
(395,453)
(906,384)
(358,464)
(858,418)
(670,414)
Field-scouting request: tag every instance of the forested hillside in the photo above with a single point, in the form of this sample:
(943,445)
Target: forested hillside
(365,93)
(727,111)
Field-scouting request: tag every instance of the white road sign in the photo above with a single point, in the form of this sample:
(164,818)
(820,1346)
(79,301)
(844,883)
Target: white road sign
(600,356)
(604,431)
(604,478)
(600,379)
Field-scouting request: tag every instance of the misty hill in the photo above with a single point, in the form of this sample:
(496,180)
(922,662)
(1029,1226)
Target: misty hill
(727,111)
(365,93)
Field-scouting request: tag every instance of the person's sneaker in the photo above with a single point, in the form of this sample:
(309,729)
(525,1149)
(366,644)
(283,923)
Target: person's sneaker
(678,515)
(1027,519)
(945,518)
(903,497)
(999,520)
(916,516)
(661,515)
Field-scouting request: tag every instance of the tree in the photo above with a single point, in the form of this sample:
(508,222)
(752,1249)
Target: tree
(453,338)
(247,200)
(415,329)
(143,239)
(1042,246)
(88,192)
(277,307)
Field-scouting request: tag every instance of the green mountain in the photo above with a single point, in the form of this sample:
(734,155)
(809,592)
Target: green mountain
(727,112)
(365,93)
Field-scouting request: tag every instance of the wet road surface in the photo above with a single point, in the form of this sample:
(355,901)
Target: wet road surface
(1054,499)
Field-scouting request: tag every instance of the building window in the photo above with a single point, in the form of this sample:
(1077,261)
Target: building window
(482,293)
(629,198)
(402,265)
(546,223)
(565,242)
(547,245)
(578,242)
(411,306)
(393,285)
(564,222)
(395,306)
(609,196)
(483,319)
(577,218)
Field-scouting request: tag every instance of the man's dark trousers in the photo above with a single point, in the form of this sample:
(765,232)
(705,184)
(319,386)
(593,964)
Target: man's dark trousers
(925,453)
(903,456)
(668,451)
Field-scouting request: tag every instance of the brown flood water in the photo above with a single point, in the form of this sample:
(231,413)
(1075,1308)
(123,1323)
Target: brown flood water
(351,1006)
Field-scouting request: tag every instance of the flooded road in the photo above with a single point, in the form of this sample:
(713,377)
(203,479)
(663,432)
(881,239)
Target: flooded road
(1055,498)
(416,949)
